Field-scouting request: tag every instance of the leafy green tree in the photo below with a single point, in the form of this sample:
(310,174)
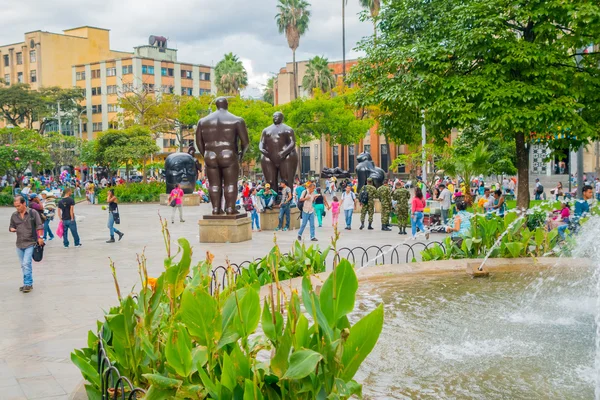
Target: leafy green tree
(62,150)
(22,149)
(269,92)
(230,75)
(516,65)
(293,19)
(318,75)
(467,166)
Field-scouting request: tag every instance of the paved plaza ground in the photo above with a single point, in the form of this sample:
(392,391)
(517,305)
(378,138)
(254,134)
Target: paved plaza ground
(73,286)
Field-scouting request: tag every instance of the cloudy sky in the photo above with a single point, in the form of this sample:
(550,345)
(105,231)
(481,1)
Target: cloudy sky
(202,30)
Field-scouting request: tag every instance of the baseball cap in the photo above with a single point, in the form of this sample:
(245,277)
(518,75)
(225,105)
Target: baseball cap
(267,186)
(44,193)
(33,196)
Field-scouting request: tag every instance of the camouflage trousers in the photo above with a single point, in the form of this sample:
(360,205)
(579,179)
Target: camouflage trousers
(368,208)
(402,215)
(386,210)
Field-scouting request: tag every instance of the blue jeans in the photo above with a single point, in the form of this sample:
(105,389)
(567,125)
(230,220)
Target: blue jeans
(284,211)
(308,218)
(255,219)
(25,256)
(111,226)
(92,199)
(267,203)
(70,225)
(348,215)
(417,222)
(47,230)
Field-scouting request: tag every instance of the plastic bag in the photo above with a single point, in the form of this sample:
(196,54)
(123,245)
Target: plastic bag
(60,230)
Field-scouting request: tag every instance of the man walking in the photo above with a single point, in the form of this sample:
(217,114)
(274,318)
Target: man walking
(401,196)
(308,211)
(445,199)
(28,226)
(367,200)
(348,205)
(539,189)
(384,195)
(66,212)
(284,206)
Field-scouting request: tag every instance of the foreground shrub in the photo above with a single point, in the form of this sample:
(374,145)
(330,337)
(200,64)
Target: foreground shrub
(135,192)
(177,340)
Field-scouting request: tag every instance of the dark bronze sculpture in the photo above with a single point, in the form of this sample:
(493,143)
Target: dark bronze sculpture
(334,172)
(192,152)
(278,148)
(366,169)
(217,139)
(181,168)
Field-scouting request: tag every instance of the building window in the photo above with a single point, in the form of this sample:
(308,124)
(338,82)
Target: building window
(304,160)
(336,156)
(80,76)
(113,108)
(111,89)
(171,72)
(384,158)
(111,71)
(127,87)
(167,143)
(186,74)
(205,76)
(95,73)
(113,125)
(7,79)
(19,77)
(204,91)
(96,91)
(163,71)
(19,58)
(32,56)
(187,91)
(33,76)
(97,109)
(367,148)
(351,158)
(168,89)
(97,126)
(149,87)
(127,69)
(6,60)
(148,69)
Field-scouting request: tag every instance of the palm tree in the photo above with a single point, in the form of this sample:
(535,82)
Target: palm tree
(268,92)
(468,166)
(230,75)
(293,19)
(318,75)
(373,6)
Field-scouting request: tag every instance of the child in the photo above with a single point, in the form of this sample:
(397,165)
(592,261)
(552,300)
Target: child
(335,211)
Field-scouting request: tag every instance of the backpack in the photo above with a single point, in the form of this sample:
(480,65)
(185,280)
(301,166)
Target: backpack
(248,206)
(363,197)
(540,189)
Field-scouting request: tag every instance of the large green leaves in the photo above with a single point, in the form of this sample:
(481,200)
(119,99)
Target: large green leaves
(200,313)
(176,274)
(241,314)
(302,363)
(89,372)
(361,341)
(338,292)
(178,350)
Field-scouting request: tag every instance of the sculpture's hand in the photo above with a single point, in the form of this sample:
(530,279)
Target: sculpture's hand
(240,156)
(281,155)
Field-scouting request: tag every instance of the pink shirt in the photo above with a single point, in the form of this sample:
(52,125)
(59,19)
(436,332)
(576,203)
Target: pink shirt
(418,205)
(177,194)
(335,207)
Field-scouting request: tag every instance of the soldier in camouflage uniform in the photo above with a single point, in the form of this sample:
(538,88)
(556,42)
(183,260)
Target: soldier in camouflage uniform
(370,206)
(401,196)
(384,194)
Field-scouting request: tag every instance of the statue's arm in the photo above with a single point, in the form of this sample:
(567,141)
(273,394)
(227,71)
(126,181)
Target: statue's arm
(290,146)
(199,140)
(261,144)
(244,139)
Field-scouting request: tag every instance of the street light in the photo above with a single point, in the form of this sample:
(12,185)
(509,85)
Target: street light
(580,182)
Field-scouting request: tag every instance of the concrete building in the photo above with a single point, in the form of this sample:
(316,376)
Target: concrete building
(152,69)
(333,155)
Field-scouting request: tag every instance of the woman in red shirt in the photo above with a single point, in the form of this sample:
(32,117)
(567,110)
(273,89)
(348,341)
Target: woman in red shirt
(416,219)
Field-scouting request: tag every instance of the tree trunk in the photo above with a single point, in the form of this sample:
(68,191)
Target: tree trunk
(523,171)
(295,74)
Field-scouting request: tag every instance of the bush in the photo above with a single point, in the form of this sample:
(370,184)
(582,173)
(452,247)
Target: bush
(135,192)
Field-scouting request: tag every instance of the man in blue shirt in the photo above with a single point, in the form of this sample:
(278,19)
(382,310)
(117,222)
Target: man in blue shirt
(582,208)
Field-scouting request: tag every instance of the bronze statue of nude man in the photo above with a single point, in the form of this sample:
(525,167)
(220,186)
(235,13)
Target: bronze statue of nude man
(217,139)
(278,148)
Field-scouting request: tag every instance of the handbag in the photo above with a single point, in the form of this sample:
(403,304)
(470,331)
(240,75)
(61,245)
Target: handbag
(324,213)
(173,203)
(116,216)
(38,251)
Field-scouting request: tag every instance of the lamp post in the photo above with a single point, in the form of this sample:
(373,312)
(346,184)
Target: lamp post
(423,152)
(580,182)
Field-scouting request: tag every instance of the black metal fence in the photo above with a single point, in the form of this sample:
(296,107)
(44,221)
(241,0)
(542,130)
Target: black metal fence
(112,384)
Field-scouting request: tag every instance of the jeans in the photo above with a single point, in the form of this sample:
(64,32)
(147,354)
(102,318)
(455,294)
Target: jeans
(348,215)
(78,192)
(308,218)
(47,230)
(255,219)
(284,211)
(70,225)
(538,195)
(267,203)
(417,222)
(111,225)
(319,210)
(92,199)
(25,257)
(180,208)
(445,216)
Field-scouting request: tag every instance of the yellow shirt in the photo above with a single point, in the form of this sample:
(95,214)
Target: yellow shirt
(451,188)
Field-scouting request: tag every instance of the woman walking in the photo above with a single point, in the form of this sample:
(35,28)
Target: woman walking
(113,211)
(320,204)
(416,220)
(177,197)
(255,207)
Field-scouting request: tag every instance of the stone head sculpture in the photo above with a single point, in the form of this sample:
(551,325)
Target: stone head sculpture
(181,168)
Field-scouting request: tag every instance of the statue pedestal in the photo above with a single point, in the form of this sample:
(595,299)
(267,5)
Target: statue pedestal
(377,207)
(225,228)
(188,199)
(269,220)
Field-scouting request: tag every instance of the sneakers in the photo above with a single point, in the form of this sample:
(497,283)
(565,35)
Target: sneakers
(26,288)
(277,229)
(285,229)
(181,220)
(111,240)
(299,238)
(121,234)
(427,236)
(314,240)
(78,245)
(52,238)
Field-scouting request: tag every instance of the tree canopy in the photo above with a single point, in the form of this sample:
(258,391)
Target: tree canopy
(230,75)
(318,75)
(519,66)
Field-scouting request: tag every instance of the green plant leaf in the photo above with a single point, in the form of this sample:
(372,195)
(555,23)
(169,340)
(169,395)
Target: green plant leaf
(241,314)
(302,363)
(339,292)
(93,393)
(280,361)
(514,249)
(312,306)
(162,382)
(199,358)
(155,393)
(272,330)
(200,313)
(214,389)
(301,334)
(190,392)
(176,274)
(89,372)
(178,350)
(361,341)
(228,373)
(539,236)
(251,391)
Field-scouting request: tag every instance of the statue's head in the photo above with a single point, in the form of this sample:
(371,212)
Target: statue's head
(222,103)
(364,156)
(180,168)
(278,118)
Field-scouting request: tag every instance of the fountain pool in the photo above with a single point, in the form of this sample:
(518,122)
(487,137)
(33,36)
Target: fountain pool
(525,335)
